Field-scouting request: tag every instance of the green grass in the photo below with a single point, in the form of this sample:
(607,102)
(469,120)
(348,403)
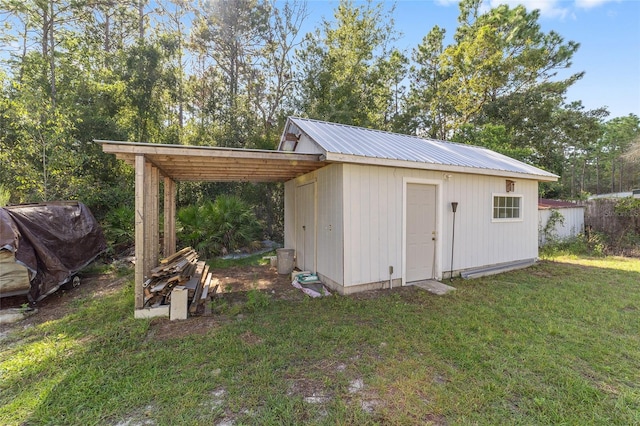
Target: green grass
(557,343)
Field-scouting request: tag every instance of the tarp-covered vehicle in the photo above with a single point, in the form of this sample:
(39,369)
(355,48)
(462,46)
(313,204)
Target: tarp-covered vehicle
(43,246)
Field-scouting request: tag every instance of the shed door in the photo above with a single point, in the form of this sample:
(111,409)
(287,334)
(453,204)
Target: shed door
(421,232)
(306,227)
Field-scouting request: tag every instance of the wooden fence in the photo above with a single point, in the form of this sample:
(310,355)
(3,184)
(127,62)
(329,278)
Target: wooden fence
(621,228)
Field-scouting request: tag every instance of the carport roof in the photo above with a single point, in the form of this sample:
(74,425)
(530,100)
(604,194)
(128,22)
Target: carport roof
(215,164)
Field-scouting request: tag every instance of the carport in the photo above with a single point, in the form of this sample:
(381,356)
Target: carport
(176,163)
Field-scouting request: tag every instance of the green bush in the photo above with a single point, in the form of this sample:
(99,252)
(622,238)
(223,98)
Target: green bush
(555,218)
(594,244)
(119,228)
(4,196)
(214,228)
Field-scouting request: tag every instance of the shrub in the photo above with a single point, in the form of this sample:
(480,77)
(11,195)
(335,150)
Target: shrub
(592,244)
(549,230)
(225,225)
(119,228)
(5,195)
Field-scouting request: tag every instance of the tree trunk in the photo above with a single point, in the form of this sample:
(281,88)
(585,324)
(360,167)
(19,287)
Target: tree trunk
(23,56)
(45,31)
(52,60)
(180,85)
(597,175)
(584,167)
(573,175)
(141,21)
(107,32)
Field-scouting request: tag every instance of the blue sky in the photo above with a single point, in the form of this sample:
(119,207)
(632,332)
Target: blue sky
(608,32)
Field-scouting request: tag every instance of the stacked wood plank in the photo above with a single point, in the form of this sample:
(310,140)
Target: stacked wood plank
(179,269)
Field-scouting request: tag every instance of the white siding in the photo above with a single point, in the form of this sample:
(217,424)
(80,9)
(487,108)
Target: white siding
(373,223)
(572,226)
(360,221)
(479,241)
(289,214)
(330,254)
(373,211)
(329,220)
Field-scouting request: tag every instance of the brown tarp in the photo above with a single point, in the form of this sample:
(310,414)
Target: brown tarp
(53,240)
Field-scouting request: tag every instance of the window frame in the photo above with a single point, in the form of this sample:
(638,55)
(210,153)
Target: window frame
(507,219)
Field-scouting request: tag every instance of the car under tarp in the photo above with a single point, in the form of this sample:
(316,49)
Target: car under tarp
(49,243)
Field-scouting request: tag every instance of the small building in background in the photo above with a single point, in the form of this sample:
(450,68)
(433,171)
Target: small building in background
(569,225)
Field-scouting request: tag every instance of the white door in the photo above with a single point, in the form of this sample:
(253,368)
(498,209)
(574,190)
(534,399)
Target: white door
(420,232)
(306,227)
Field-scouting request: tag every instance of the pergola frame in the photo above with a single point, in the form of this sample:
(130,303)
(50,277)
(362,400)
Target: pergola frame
(174,163)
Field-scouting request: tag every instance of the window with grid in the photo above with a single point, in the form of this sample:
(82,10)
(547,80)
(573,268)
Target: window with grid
(507,207)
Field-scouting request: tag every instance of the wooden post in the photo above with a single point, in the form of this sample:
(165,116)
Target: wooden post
(140,230)
(155,217)
(148,218)
(169,217)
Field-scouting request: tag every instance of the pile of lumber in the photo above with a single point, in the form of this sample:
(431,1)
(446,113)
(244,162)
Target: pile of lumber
(183,270)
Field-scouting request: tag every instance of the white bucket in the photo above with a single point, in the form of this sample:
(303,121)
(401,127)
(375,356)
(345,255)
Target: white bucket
(285,260)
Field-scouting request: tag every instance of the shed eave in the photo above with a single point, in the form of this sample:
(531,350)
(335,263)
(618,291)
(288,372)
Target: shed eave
(357,159)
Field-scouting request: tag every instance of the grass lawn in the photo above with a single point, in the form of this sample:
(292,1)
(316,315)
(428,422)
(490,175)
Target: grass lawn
(557,343)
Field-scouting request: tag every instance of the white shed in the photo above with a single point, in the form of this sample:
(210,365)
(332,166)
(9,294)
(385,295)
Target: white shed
(569,225)
(381,211)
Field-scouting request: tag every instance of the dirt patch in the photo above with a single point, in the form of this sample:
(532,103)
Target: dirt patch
(233,285)
(241,279)
(250,338)
(60,303)
(164,328)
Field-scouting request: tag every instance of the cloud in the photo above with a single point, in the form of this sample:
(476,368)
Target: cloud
(548,8)
(447,2)
(589,4)
(560,9)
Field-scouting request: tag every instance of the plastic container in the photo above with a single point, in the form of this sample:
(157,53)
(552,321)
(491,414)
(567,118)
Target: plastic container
(285,260)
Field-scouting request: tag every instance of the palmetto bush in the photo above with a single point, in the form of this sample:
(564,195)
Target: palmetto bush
(213,228)
(118,226)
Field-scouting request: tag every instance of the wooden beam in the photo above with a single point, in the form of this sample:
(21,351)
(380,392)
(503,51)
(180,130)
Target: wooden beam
(139,231)
(155,216)
(152,149)
(148,219)
(169,217)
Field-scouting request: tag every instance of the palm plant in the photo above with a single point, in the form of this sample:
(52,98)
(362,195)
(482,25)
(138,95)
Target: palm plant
(225,225)
(5,195)
(118,226)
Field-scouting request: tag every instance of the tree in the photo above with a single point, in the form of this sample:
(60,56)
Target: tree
(499,59)
(428,109)
(497,85)
(348,70)
(233,34)
(619,134)
(274,85)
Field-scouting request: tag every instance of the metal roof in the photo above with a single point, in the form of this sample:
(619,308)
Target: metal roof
(342,142)
(545,203)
